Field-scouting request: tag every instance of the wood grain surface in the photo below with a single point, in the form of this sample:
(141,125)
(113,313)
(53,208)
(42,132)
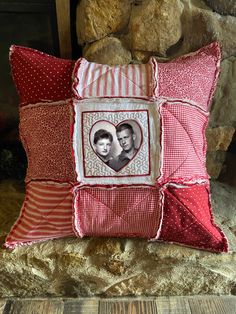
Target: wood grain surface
(129,307)
(173,305)
(84,306)
(160,305)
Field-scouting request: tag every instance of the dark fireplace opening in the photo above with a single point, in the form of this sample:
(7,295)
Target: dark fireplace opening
(34,24)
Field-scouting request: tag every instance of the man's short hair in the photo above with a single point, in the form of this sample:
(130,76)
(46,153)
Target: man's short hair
(124,126)
(100,134)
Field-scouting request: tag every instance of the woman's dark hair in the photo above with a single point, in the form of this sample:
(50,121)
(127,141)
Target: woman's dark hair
(100,134)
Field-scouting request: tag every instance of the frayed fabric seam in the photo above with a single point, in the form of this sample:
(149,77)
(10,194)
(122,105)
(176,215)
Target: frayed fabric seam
(76,223)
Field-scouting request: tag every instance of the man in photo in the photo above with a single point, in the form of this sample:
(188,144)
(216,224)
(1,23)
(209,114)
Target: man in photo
(102,143)
(126,137)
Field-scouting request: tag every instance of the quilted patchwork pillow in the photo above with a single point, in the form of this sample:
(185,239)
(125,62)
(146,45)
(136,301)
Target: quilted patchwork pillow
(119,152)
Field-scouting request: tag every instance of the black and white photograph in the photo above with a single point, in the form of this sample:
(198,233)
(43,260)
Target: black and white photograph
(116,145)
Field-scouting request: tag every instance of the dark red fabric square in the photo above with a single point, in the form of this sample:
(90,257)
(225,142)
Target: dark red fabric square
(188,220)
(40,77)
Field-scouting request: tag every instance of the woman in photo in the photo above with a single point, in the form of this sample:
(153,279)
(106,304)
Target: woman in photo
(102,144)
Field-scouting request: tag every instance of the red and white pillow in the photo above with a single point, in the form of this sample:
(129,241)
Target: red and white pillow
(159,192)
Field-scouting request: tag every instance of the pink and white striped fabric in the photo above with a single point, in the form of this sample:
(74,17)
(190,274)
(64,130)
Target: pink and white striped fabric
(46,214)
(92,80)
(117,212)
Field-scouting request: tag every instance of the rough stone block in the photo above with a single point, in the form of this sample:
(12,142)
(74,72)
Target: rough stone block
(98,18)
(155,25)
(219,138)
(223,110)
(108,50)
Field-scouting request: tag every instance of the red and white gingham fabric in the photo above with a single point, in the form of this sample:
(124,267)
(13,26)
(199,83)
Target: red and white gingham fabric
(183,143)
(46,214)
(188,218)
(92,80)
(124,211)
(45,132)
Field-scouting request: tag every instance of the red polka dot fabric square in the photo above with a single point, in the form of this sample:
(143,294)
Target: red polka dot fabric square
(117,212)
(183,143)
(45,132)
(188,220)
(40,77)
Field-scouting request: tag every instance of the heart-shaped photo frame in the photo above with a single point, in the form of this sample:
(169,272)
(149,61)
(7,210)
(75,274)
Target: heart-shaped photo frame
(116,145)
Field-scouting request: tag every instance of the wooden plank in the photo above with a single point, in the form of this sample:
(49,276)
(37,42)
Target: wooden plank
(173,305)
(127,307)
(160,305)
(213,305)
(63,25)
(37,306)
(89,306)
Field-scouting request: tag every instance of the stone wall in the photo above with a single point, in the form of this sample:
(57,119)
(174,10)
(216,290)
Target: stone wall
(130,31)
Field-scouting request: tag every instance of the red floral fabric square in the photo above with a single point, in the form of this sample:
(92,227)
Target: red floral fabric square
(45,133)
(191,77)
